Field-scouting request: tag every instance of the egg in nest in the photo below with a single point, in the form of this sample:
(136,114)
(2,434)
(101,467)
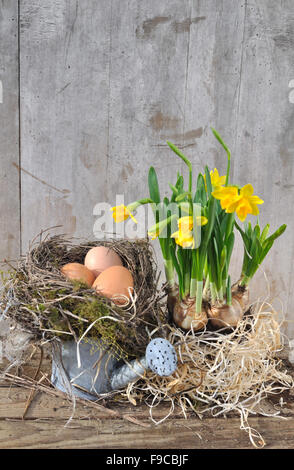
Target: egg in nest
(116,283)
(100,258)
(78,272)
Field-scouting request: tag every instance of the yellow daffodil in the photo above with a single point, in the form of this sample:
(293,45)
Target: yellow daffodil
(184,239)
(243,202)
(185,223)
(216,179)
(121,213)
(184,236)
(153,233)
(158,228)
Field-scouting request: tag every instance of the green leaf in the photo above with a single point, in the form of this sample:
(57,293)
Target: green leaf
(153,185)
(223,258)
(244,236)
(257,231)
(230,245)
(265,249)
(264,233)
(182,196)
(208,181)
(174,189)
(230,222)
(217,232)
(178,188)
(200,194)
(211,219)
(277,233)
(249,228)
(180,182)
(175,262)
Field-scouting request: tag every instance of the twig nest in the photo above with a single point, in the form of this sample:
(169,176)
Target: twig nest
(40,301)
(161,357)
(185,316)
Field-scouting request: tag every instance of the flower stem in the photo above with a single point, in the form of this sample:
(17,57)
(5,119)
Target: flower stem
(187,283)
(245,280)
(169,273)
(220,295)
(193,287)
(206,286)
(212,292)
(230,224)
(199,293)
(229,291)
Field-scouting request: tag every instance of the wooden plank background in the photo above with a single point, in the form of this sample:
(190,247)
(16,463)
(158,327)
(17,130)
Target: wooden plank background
(93,89)
(9,132)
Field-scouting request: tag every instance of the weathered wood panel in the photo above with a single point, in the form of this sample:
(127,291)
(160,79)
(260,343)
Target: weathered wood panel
(9,132)
(265,137)
(45,428)
(113,434)
(64,102)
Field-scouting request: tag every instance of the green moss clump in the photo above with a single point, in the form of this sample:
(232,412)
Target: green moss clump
(79,285)
(56,322)
(112,334)
(52,294)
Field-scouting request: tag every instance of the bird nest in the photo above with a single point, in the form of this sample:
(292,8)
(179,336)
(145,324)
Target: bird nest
(43,303)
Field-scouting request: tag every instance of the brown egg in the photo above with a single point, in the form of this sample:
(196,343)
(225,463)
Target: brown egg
(78,272)
(114,282)
(100,258)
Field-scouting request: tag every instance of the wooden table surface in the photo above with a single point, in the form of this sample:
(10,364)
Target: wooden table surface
(127,427)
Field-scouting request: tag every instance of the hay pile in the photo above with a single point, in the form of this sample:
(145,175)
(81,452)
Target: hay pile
(223,371)
(45,304)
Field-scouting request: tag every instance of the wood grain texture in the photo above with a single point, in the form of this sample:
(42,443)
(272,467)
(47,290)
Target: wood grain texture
(64,98)
(9,132)
(106,434)
(45,428)
(264,150)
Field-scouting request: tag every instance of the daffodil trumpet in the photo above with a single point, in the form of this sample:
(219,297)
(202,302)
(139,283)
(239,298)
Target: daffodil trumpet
(121,213)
